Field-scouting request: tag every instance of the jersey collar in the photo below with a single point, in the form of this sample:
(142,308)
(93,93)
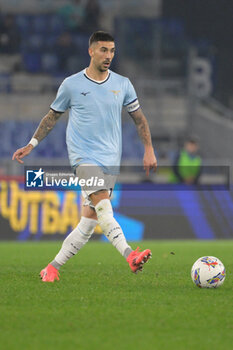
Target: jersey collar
(96,81)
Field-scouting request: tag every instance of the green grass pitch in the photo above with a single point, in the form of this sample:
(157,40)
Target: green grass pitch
(100,304)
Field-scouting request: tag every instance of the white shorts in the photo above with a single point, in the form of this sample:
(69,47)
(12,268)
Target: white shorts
(95,180)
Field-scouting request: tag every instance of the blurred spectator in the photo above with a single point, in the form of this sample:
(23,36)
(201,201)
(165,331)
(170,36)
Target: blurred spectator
(92,16)
(187,164)
(73,15)
(64,50)
(9,36)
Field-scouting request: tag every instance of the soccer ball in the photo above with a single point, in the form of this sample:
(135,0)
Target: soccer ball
(208,272)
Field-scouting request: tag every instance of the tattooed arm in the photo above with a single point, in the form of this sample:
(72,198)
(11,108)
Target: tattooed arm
(45,126)
(149,160)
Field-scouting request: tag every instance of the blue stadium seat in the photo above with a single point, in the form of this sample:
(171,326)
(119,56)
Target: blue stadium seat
(80,41)
(132,147)
(57,140)
(32,62)
(58,79)
(49,63)
(75,64)
(40,24)
(56,24)
(173,27)
(36,42)
(15,134)
(50,42)
(5,136)
(20,134)
(24,23)
(5,82)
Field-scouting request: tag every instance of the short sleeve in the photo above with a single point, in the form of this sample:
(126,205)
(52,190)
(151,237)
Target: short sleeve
(131,101)
(62,100)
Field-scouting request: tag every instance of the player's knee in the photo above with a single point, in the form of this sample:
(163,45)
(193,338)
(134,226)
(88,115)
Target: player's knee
(104,213)
(88,212)
(98,196)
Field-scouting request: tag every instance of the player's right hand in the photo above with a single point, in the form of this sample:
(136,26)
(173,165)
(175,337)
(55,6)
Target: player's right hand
(22,152)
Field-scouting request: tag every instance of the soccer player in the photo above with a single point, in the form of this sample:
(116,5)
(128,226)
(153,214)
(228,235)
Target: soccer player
(95,97)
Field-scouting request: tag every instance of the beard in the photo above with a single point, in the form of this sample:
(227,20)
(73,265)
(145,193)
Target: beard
(102,68)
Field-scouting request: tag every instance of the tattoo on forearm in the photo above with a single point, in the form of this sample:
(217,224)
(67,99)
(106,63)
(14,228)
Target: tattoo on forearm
(46,125)
(142,127)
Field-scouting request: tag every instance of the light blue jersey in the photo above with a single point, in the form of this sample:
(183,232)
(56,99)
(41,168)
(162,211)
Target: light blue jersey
(93,134)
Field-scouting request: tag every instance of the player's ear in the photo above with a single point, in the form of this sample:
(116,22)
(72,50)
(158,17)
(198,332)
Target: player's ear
(90,51)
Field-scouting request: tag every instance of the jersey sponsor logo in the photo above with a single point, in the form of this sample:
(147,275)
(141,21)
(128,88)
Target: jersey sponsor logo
(85,93)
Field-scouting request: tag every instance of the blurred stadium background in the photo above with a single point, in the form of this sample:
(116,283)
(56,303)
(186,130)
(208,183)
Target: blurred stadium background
(177,53)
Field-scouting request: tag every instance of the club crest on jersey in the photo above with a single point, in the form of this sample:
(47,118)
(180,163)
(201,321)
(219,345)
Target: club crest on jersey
(116,92)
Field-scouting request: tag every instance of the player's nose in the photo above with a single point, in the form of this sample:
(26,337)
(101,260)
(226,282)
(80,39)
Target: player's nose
(108,56)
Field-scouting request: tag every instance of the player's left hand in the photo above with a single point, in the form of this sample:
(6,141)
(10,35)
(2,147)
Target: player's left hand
(149,160)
